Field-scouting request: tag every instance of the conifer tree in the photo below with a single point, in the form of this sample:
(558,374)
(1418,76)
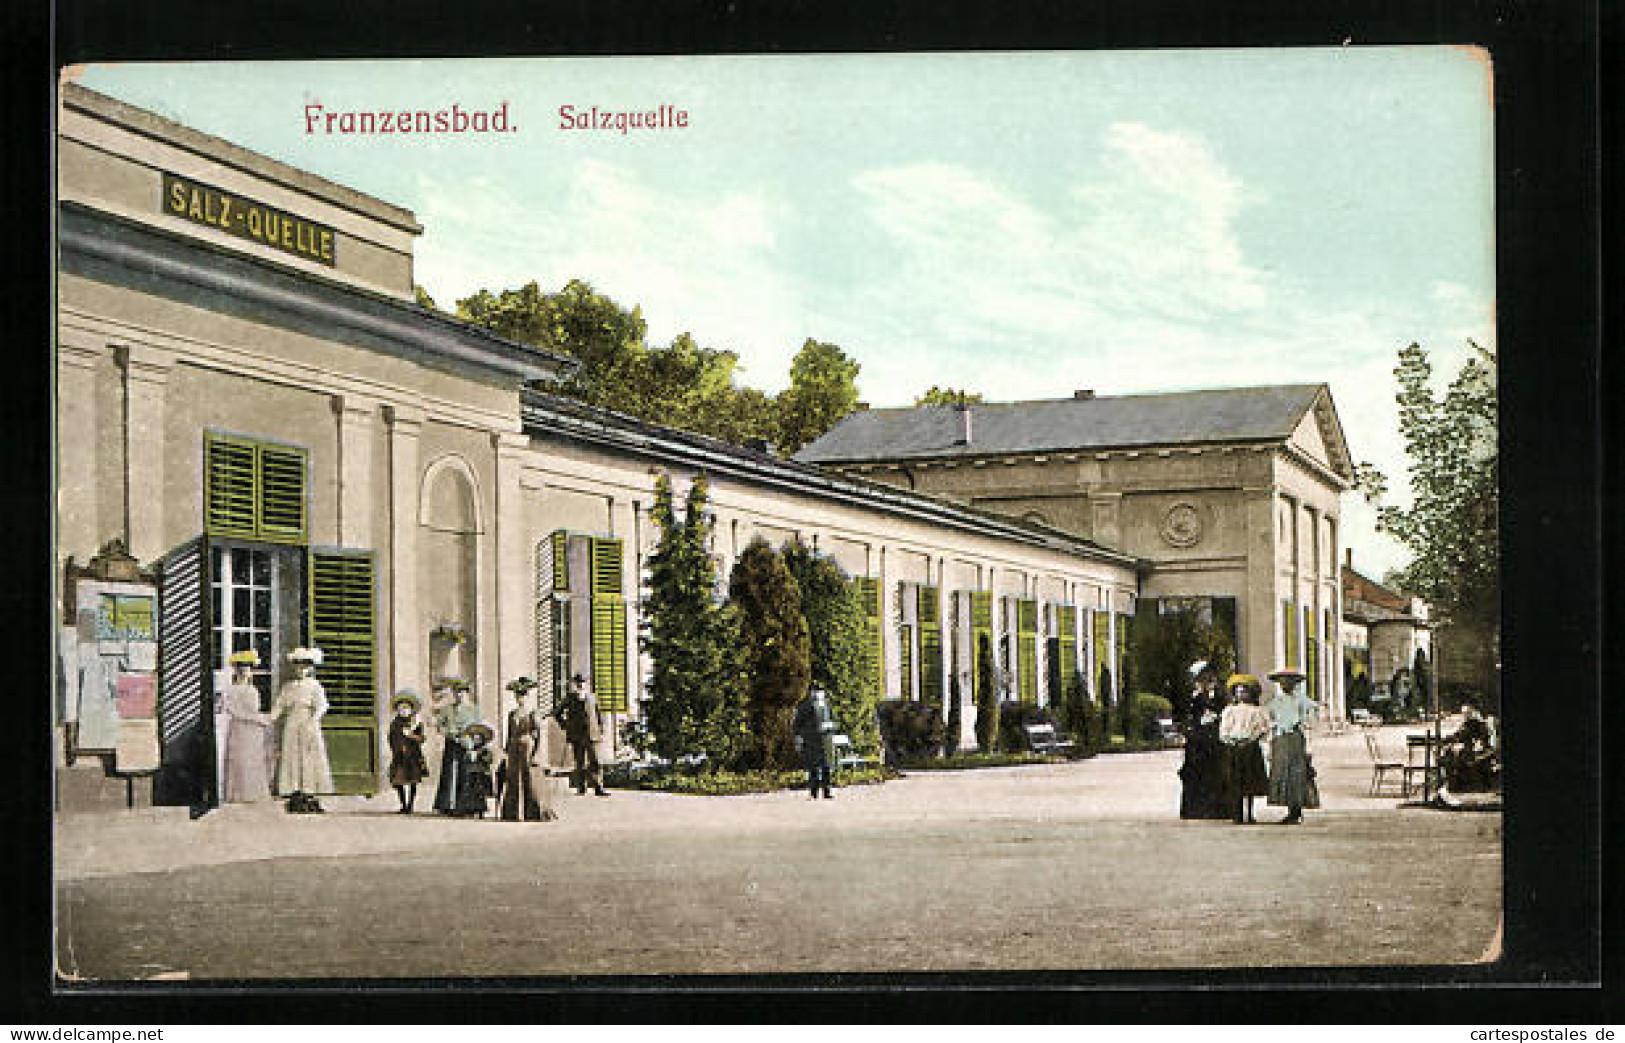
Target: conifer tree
(776,653)
(688,635)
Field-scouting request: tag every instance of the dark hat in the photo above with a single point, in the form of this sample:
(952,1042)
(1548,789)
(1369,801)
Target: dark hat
(578,679)
(482,729)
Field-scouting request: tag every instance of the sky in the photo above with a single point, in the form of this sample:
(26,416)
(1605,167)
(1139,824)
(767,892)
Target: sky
(1015,224)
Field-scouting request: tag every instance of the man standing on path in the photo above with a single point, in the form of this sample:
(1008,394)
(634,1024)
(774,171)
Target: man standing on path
(582,730)
(815,734)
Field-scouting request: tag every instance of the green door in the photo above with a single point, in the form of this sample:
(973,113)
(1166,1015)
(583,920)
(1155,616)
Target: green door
(342,611)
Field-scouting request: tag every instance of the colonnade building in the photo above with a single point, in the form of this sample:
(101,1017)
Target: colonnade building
(264,442)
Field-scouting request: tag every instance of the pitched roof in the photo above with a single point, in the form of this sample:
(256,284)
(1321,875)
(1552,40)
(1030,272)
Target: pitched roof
(1248,414)
(547,415)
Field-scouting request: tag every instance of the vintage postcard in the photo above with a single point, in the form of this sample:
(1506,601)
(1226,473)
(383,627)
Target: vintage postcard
(809,514)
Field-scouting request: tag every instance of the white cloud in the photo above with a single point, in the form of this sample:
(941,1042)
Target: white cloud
(696,261)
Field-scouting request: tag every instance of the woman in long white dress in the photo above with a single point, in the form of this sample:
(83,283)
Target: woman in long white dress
(302,768)
(246,777)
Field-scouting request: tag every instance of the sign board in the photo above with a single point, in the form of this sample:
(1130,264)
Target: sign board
(247,219)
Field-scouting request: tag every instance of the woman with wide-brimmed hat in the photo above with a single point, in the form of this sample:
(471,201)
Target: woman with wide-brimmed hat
(474,785)
(1292,777)
(452,719)
(246,774)
(407,767)
(1242,726)
(302,769)
(524,791)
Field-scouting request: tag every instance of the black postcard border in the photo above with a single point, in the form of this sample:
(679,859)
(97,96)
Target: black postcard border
(1545,54)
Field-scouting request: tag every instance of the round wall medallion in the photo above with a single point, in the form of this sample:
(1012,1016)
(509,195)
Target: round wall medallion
(1182,526)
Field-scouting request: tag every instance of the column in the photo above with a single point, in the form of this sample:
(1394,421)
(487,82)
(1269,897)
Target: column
(355,494)
(146,378)
(407,665)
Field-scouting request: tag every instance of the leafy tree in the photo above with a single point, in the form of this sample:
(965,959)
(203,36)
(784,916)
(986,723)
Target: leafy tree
(1450,527)
(1165,646)
(941,396)
(683,384)
(834,615)
(423,298)
(694,688)
(823,389)
(776,651)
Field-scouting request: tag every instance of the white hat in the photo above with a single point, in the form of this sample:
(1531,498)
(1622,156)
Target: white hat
(302,654)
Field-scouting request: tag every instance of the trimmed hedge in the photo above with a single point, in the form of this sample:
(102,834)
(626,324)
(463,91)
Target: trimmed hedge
(732,783)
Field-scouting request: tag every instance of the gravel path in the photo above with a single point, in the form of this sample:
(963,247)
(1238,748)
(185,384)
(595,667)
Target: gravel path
(1074,867)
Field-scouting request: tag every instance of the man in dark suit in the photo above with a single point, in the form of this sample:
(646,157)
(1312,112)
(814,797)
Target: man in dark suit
(815,734)
(582,730)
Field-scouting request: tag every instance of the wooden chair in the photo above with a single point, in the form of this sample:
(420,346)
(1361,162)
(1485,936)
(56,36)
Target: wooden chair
(1382,769)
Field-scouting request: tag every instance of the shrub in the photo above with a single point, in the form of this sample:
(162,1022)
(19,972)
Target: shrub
(1143,711)
(1013,717)
(910,730)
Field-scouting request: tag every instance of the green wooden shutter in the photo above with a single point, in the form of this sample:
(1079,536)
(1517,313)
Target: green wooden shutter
(874,649)
(606,565)
(981,620)
(561,560)
(609,653)
(231,484)
(254,490)
(905,660)
(1289,619)
(929,613)
(282,494)
(1103,646)
(1027,649)
(342,624)
(1066,647)
(1125,664)
(1310,650)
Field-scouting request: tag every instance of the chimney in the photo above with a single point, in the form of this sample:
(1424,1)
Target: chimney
(965,428)
(1348,558)
(1083,394)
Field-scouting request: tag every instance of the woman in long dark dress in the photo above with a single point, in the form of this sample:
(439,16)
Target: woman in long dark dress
(522,798)
(1202,773)
(407,767)
(453,720)
(474,786)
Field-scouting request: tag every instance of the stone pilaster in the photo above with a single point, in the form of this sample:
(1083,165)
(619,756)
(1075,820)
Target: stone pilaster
(406,632)
(356,417)
(78,494)
(515,572)
(146,380)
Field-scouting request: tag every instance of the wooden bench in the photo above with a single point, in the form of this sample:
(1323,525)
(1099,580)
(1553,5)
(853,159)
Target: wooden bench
(1041,738)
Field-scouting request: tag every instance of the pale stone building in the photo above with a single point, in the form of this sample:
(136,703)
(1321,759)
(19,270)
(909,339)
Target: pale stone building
(1228,497)
(264,442)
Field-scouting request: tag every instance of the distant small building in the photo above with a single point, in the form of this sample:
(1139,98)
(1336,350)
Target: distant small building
(1383,630)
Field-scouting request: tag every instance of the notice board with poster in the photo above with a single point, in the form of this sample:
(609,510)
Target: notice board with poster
(109,664)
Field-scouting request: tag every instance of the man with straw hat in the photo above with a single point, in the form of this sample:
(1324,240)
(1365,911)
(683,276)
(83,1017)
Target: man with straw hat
(1292,779)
